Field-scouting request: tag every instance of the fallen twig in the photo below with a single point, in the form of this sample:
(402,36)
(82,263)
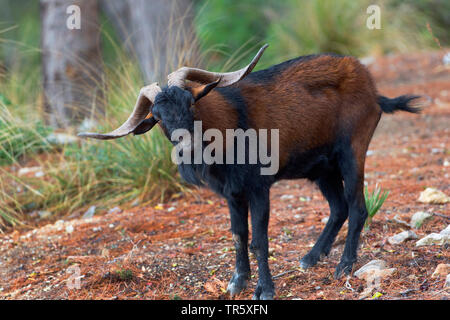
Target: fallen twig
(441,215)
(284,273)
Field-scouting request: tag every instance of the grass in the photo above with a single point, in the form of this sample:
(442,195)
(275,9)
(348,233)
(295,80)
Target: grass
(18,138)
(374,201)
(309,27)
(89,172)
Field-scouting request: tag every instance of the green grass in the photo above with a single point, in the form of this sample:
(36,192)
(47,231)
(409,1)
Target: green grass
(374,201)
(309,27)
(89,172)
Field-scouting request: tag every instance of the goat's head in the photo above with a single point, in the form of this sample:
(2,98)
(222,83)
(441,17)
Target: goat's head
(155,104)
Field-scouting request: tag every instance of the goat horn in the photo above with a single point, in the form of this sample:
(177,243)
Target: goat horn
(141,113)
(178,77)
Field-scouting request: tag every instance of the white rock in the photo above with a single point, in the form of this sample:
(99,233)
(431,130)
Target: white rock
(44,214)
(374,269)
(442,269)
(433,238)
(287,197)
(446,231)
(419,218)
(325,220)
(69,229)
(90,212)
(447,282)
(401,222)
(27,170)
(372,265)
(59,225)
(446,59)
(39,174)
(433,196)
(402,236)
(114,210)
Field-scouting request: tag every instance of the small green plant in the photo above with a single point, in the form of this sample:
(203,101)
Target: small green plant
(125,274)
(374,201)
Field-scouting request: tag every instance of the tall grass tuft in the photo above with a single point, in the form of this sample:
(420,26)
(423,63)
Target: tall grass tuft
(127,171)
(374,201)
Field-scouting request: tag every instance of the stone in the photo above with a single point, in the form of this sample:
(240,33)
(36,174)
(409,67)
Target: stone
(447,282)
(402,236)
(373,270)
(401,222)
(372,265)
(29,170)
(446,231)
(433,196)
(419,218)
(90,212)
(442,269)
(69,229)
(114,210)
(433,239)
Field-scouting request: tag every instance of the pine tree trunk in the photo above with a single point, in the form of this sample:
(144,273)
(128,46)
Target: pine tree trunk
(71,63)
(160,33)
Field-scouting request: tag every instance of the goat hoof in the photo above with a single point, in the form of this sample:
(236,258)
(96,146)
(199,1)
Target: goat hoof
(263,294)
(237,283)
(343,268)
(308,261)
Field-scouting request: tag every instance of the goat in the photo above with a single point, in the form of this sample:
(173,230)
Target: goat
(326,108)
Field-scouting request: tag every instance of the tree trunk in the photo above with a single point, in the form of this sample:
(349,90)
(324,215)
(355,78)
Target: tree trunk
(71,62)
(160,33)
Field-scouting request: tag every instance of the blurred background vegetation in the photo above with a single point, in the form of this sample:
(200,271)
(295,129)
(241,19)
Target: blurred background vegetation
(46,173)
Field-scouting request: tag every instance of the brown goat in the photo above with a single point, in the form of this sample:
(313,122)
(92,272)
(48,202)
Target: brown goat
(326,108)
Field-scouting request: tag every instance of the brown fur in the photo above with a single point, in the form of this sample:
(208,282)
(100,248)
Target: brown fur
(323,96)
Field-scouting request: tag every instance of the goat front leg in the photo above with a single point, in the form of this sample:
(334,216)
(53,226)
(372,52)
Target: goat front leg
(260,209)
(238,206)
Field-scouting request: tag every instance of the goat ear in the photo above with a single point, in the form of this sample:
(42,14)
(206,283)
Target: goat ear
(200,92)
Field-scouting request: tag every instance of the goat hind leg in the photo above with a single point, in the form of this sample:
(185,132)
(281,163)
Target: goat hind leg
(352,168)
(333,190)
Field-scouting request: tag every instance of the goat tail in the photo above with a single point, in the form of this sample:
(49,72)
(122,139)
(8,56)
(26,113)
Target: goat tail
(401,103)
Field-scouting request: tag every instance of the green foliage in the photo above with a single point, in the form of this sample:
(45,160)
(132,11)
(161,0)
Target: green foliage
(89,172)
(306,27)
(232,29)
(374,201)
(125,274)
(435,12)
(18,138)
(319,26)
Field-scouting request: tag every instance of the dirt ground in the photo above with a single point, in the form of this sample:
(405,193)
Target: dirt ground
(183,250)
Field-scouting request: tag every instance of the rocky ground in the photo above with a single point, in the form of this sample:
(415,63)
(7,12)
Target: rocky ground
(183,250)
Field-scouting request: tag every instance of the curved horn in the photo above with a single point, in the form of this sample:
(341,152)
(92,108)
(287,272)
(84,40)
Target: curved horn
(178,77)
(138,116)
